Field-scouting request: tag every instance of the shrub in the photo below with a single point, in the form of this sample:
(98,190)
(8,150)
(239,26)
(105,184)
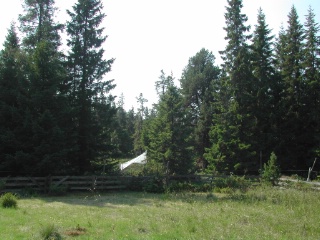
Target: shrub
(227,190)
(2,184)
(176,186)
(29,192)
(135,184)
(50,232)
(8,200)
(155,185)
(58,190)
(232,182)
(271,171)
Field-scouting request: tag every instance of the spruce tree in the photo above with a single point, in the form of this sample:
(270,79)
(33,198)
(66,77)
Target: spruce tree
(47,106)
(121,134)
(198,83)
(265,87)
(37,24)
(231,134)
(94,108)
(11,95)
(138,125)
(292,126)
(163,83)
(311,77)
(169,136)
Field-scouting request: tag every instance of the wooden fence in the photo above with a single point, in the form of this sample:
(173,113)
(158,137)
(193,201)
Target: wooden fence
(70,183)
(89,183)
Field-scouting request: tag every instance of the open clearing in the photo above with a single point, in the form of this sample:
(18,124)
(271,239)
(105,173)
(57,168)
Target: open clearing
(260,213)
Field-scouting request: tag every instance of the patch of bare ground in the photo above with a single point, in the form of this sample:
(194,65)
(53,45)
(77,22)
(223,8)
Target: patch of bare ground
(75,231)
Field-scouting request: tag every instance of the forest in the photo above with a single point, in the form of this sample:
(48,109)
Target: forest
(58,115)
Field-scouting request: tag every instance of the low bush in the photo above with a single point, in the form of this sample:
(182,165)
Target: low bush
(2,184)
(154,185)
(227,190)
(9,200)
(58,190)
(233,182)
(29,192)
(176,186)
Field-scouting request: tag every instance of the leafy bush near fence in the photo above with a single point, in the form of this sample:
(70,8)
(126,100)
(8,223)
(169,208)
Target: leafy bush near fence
(58,190)
(160,184)
(177,186)
(156,184)
(2,184)
(231,183)
(8,200)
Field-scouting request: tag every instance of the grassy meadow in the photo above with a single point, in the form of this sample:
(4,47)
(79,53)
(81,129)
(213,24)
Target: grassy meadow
(259,213)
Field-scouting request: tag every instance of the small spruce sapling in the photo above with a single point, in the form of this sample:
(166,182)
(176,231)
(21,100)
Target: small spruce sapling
(271,171)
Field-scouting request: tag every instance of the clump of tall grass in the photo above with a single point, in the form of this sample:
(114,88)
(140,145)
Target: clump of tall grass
(50,232)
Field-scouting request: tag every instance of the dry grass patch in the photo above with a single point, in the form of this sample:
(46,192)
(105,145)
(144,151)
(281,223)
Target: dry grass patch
(75,231)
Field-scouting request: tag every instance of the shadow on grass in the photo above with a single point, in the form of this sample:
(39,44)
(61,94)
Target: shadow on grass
(127,198)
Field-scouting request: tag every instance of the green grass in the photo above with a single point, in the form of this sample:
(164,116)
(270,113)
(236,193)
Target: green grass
(261,213)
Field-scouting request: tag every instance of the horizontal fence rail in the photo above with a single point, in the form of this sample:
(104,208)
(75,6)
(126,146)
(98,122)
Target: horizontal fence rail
(93,183)
(70,183)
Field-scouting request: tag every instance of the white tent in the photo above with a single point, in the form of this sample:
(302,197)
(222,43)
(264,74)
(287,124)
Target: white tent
(142,159)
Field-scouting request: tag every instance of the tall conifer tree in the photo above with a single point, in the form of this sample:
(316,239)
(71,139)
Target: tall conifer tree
(37,24)
(138,124)
(311,77)
(89,91)
(169,136)
(233,125)
(46,105)
(292,144)
(11,98)
(198,83)
(265,87)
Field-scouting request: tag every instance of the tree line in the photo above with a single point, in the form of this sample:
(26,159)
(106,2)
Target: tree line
(58,115)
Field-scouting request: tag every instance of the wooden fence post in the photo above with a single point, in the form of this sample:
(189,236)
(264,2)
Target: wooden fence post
(47,184)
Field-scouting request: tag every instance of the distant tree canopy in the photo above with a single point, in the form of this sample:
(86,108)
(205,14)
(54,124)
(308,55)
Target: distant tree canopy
(58,115)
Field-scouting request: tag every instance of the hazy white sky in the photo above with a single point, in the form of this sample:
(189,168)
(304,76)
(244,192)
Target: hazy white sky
(146,36)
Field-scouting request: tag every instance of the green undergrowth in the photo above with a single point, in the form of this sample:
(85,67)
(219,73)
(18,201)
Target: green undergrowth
(260,212)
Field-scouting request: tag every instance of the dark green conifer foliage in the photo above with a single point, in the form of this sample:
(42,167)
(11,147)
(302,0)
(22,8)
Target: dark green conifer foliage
(292,68)
(163,83)
(292,138)
(138,125)
(46,105)
(94,109)
(231,134)
(122,136)
(198,82)
(37,24)
(279,52)
(311,78)
(169,136)
(11,93)
(265,87)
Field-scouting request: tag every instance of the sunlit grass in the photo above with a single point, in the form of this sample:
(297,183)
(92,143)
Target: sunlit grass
(261,213)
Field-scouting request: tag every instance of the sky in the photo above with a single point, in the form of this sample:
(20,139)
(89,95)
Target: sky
(147,36)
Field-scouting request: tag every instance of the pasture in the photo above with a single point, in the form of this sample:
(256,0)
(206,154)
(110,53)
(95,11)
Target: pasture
(261,212)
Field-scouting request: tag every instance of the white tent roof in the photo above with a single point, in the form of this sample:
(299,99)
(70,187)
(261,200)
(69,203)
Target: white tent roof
(142,159)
